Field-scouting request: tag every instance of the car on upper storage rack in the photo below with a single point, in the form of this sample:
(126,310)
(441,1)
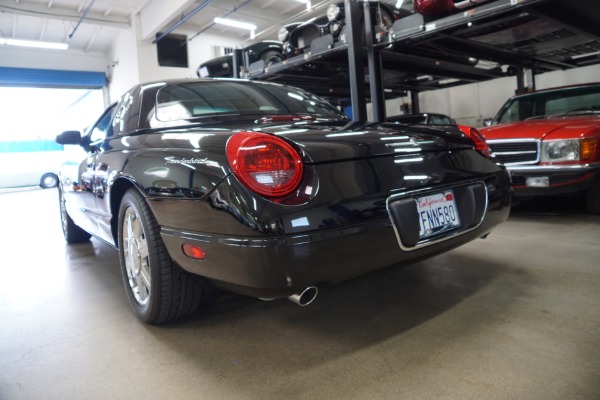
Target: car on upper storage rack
(549,141)
(268,191)
(268,51)
(321,33)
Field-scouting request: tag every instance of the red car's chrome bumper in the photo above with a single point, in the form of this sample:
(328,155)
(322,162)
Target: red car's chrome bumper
(552,179)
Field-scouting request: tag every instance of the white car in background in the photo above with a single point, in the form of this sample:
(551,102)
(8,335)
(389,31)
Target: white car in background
(30,163)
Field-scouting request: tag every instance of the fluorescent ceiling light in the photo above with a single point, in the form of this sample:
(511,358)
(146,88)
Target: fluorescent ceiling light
(235,24)
(35,44)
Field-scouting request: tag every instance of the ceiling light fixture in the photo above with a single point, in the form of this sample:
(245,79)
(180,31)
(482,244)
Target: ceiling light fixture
(235,24)
(34,44)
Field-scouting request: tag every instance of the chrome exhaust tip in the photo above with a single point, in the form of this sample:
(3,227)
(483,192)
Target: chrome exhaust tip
(305,297)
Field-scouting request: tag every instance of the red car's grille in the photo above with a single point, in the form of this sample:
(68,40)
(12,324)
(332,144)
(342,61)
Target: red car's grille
(515,151)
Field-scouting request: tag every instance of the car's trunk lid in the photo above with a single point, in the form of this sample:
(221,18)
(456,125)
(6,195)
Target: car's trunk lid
(327,143)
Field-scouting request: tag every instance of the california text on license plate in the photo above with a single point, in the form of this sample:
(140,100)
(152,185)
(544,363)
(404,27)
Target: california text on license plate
(437,213)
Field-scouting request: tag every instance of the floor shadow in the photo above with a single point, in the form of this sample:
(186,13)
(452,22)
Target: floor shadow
(346,319)
(550,205)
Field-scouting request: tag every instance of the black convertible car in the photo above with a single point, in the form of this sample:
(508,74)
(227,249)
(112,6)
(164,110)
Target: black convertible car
(268,191)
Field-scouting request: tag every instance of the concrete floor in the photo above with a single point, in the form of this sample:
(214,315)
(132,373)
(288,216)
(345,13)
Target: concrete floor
(515,316)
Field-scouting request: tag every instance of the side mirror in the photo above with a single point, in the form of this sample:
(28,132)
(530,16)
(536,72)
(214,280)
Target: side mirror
(487,122)
(69,137)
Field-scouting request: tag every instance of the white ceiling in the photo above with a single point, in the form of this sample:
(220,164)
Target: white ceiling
(63,21)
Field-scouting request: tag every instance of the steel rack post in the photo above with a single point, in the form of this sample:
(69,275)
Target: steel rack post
(414,101)
(236,58)
(355,62)
(374,64)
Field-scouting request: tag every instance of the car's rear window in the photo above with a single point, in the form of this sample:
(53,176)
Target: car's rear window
(195,100)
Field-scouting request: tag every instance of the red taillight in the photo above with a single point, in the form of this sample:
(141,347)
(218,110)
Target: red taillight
(267,164)
(477,138)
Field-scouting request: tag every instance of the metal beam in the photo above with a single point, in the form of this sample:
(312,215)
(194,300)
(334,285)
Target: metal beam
(182,20)
(157,14)
(81,18)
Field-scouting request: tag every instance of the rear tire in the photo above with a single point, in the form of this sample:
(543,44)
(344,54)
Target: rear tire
(593,197)
(72,232)
(157,288)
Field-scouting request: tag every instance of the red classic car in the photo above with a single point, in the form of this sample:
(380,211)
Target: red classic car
(550,142)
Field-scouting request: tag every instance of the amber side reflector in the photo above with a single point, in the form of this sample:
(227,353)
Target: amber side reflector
(193,252)
(588,148)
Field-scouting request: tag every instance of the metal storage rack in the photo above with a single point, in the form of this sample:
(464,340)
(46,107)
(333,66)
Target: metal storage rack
(496,39)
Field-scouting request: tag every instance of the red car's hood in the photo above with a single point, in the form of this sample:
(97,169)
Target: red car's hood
(565,127)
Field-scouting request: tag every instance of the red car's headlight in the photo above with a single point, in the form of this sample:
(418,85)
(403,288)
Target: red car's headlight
(566,150)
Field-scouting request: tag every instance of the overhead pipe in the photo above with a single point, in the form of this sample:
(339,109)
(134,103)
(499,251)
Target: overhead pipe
(181,21)
(224,16)
(87,9)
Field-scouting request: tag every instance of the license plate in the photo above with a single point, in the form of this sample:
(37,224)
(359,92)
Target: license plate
(437,213)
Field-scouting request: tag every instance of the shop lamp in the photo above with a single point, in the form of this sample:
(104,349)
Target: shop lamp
(34,44)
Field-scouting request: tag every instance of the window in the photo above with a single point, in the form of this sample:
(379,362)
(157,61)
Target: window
(102,129)
(194,100)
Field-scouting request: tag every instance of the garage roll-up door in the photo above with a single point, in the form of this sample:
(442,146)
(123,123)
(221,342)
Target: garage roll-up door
(50,78)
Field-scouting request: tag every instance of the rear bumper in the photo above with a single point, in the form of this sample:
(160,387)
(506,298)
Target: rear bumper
(279,266)
(564,179)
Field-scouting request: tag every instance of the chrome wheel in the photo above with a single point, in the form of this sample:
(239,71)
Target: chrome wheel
(157,288)
(136,257)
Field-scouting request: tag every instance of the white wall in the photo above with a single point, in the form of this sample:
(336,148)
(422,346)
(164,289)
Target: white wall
(138,61)
(122,70)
